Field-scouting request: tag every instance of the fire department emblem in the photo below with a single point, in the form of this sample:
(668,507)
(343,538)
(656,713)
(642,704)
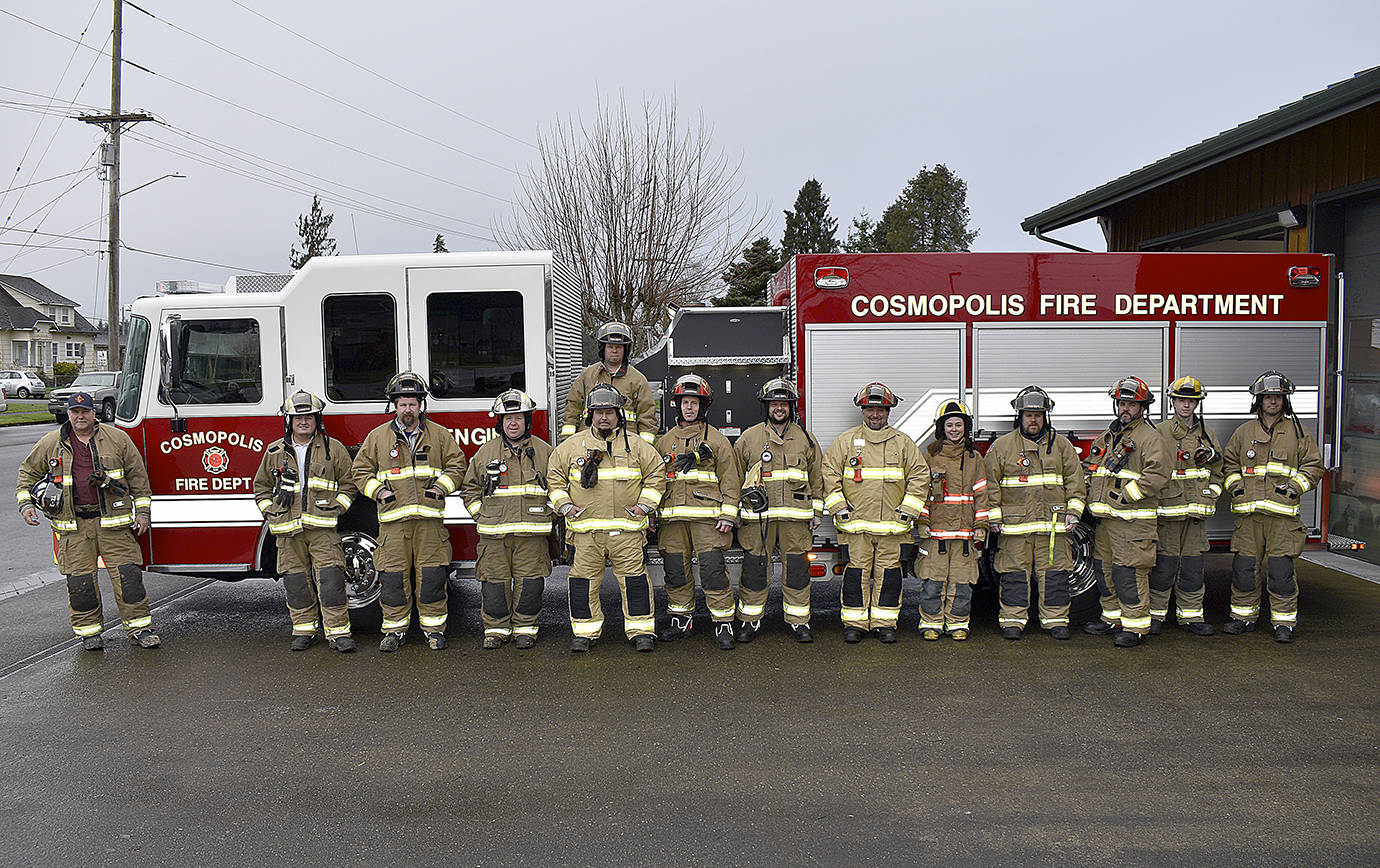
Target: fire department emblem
(215,460)
(1250,453)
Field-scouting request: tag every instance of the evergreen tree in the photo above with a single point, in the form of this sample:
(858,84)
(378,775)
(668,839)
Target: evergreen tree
(314,229)
(439,245)
(865,236)
(809,228)
(930,215)
(749,276)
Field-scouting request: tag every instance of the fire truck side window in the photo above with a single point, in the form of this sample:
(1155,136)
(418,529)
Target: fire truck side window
(361,341)
(222,363)
(475,343)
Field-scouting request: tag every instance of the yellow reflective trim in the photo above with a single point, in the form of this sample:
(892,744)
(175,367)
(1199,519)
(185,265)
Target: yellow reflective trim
(696,476)
(263,505)
(683,512)
(648,436)
(117,520)
(1232,480)
(795,611)
(431,620)
(137,623)
(914,503)
(88,630)
(323,484)
(391,625)
(323,521)
(1103,510)
(533,527)
(783,513)
(1036,480)
(833,500)
(446,483)
(371,487)
(650,495)
(1028,527)
(587,629)
(885,474)
(880,528)
(473,507)
(410,510)
(1270,506)
(593,525)
(1134,491)
(344,500)
(337,632)
(519,491)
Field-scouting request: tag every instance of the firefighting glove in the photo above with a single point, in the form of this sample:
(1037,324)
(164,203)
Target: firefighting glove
(1204,455)
(704,455)
(1287,491)
(492,471)
(589,474)
(683,462)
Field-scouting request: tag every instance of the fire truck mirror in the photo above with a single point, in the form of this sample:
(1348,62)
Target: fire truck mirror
(174,352)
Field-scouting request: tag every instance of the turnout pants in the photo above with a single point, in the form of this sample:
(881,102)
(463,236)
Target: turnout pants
(313,568)
(871,595)
(791,540)
(413,562)
(1271,541)
(512,567)
(677,539)
(1129,546)
(622,549)
(1178,570)
(948,571)
(1018,555)
(78,553)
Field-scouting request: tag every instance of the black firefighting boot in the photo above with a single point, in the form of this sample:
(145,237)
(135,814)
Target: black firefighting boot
(747,630)
(1235,627)
(579,645)
(1197,628)
(1156,626)
(302,643)
(391,642)
(92,643)
(644,643)
(681,626)
(1284,633)
(802,633)
(523,641)
(436,641)
(723,636)
(343,644)
(1060,632)
(852,635)
(1012,633)
(886,635)
(1097,628)
(1127,639)
(145,639)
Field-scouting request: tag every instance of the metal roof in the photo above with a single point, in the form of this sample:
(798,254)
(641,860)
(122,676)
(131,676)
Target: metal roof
(1337,99)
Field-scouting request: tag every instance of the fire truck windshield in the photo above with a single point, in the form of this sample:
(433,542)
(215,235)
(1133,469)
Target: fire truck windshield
(136,350)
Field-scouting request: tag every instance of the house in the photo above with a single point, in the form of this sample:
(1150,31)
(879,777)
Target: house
(39,327)
(1302,178)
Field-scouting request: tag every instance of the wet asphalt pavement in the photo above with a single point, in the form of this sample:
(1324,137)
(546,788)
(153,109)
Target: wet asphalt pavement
(223,747)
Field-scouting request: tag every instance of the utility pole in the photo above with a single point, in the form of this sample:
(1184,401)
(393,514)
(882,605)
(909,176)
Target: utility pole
(113,122)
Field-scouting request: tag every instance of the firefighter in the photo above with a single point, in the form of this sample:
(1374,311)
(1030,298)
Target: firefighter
(957,532)
(1189,500)
(89,481)
(613,368)
(1270,463)
(1128,467)
(302,487)
(407,466)
(505,492)
(783,498)
(697,514)
(875,484)
(606,483)
(1036,501)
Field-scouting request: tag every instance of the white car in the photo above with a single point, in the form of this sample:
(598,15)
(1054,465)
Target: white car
(22,384)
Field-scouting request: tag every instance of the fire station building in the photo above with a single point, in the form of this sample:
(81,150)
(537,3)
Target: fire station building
(1303,178)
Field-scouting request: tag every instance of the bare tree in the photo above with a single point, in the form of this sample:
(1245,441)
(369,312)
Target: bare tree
(647,212)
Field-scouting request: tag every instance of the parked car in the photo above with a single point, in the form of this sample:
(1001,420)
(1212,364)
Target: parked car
(22,384)
(104,387)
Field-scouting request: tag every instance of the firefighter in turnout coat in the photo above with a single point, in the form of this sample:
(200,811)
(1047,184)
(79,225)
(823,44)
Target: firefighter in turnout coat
(1036,501)
(784,480)
(408,465)
(875,485)
(1128,469)
(505,492)
(90,482)
(1189,500)
(959,516)
(302,487)
(613,369)
(1271,462)
(606,483)
(703,482)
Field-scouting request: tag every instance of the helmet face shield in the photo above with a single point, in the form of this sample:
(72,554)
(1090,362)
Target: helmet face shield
(302,403)
(1032,398)
(778,389)
(1131,389)
(1272,383)
(876,395)
(614,333)
(513,401)
(406,385)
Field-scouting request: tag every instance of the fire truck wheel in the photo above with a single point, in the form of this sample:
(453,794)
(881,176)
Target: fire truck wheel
(361,581)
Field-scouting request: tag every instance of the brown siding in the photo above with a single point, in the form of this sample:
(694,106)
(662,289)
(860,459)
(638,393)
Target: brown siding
(1339,153)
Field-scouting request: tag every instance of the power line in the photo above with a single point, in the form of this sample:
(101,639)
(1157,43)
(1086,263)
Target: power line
(46,180)
(384,78)
(50,204)
(32,271)
(292,185)
(324,95)
(240,268)
(271,119)
(231,151)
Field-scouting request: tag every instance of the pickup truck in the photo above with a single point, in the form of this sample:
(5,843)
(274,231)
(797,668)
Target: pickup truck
(104,387)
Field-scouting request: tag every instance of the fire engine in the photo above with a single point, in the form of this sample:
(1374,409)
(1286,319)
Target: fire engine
(980,326)
(205,376)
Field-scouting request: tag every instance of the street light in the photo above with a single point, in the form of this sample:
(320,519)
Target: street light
(113,360)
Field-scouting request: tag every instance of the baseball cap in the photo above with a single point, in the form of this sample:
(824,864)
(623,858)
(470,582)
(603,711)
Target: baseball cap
(81,400)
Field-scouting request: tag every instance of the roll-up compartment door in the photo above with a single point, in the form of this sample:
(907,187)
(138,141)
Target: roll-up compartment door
(921,363)
(1228,359)
(1075,364)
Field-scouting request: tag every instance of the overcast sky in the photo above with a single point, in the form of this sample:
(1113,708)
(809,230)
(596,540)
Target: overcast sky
(1031,103)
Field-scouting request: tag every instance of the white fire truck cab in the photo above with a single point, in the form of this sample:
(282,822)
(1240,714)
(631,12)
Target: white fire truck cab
(205,377)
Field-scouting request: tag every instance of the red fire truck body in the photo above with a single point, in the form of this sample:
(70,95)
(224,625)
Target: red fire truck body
(980,326)
(205,377)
